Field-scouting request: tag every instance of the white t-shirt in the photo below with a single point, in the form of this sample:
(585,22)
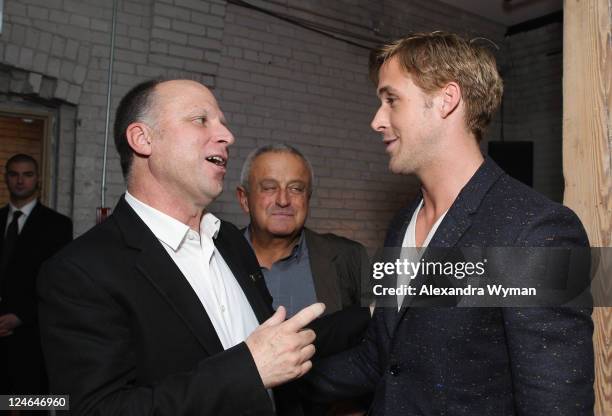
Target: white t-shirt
(412,254)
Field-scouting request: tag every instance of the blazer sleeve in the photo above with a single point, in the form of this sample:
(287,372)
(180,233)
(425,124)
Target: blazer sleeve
(349,374)
(345,328)
(339,330)
(87,341)
(551,348)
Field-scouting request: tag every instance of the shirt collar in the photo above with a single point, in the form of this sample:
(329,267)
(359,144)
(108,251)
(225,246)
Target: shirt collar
(169,230)
(297,252)
(210,225)
(26,209)
(298,249)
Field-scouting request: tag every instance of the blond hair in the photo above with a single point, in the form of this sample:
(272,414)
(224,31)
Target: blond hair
(437,58)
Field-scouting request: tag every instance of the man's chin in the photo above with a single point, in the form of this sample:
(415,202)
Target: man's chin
(395,168)
(282,232)
(22,196)
(399,168)
(213,194)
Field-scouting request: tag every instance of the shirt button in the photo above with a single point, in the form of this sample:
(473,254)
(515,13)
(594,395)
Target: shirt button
(191,237)
(222,308)
(394,370)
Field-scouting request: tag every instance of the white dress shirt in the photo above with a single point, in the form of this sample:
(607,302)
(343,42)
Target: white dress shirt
(205,269)
(26,210)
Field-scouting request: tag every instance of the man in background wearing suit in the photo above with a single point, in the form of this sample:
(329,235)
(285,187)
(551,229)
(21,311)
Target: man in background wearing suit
(438,92)
(31,233)
(159,309)
(299,265)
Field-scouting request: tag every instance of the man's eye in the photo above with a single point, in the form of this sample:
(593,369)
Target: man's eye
(297,189)
(200,120)
(268,188)
(390,100)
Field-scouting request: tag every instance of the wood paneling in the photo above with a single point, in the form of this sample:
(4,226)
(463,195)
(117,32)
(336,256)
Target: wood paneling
(587,154)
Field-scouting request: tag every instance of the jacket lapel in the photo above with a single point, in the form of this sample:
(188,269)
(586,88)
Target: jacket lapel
(154,263)
(458,219)
(31,229)
(236,252)
(460,215)
(392,251)
(322,266)
(33,224)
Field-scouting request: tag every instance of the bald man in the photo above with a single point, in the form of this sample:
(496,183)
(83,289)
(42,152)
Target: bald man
(161,309)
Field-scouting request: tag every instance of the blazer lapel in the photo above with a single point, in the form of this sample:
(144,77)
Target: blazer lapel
(392,251)
(323,270)
(154,263)
(459,217)
(31,229)
(235,253)
(33,224)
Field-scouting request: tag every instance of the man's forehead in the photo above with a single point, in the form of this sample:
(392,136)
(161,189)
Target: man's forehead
(23,166)
(183,91)
(385,89)
(284,157)
(265,163)
(180,83)
(390,72)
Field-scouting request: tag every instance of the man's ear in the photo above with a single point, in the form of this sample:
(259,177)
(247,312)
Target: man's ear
(241,194)
(451,97)
(139,138)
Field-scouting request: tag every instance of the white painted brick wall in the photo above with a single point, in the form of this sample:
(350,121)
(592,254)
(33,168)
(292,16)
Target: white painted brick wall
(277,82)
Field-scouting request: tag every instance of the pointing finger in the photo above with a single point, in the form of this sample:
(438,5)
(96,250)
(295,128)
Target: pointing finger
(304,317)
(277,318)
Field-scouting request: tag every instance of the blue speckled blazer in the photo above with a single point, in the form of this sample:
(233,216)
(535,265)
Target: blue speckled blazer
(477,361)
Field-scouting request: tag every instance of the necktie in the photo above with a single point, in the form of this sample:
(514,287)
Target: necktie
(10,239)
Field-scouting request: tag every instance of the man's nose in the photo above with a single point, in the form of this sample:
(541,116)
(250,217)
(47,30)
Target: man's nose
(223,134)
(282,197)
(380,120)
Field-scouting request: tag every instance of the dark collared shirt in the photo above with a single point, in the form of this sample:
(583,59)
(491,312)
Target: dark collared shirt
(289,280)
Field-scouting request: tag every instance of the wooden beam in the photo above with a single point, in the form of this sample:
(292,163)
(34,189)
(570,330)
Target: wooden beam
(587,154)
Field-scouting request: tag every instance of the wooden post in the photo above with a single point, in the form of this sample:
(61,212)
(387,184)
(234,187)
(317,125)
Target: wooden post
(587,154)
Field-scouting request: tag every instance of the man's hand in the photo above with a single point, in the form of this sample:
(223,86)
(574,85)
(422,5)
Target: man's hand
(282,349)
(8,323)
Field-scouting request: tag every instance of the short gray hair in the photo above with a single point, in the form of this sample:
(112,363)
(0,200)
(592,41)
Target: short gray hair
(273,148)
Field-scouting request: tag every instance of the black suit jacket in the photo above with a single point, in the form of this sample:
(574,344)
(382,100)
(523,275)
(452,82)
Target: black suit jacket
(44,233)
(124,333)
(477,361)
(340,269)
(21,362)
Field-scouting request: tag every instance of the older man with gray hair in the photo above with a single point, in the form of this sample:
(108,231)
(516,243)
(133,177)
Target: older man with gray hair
(299,265)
